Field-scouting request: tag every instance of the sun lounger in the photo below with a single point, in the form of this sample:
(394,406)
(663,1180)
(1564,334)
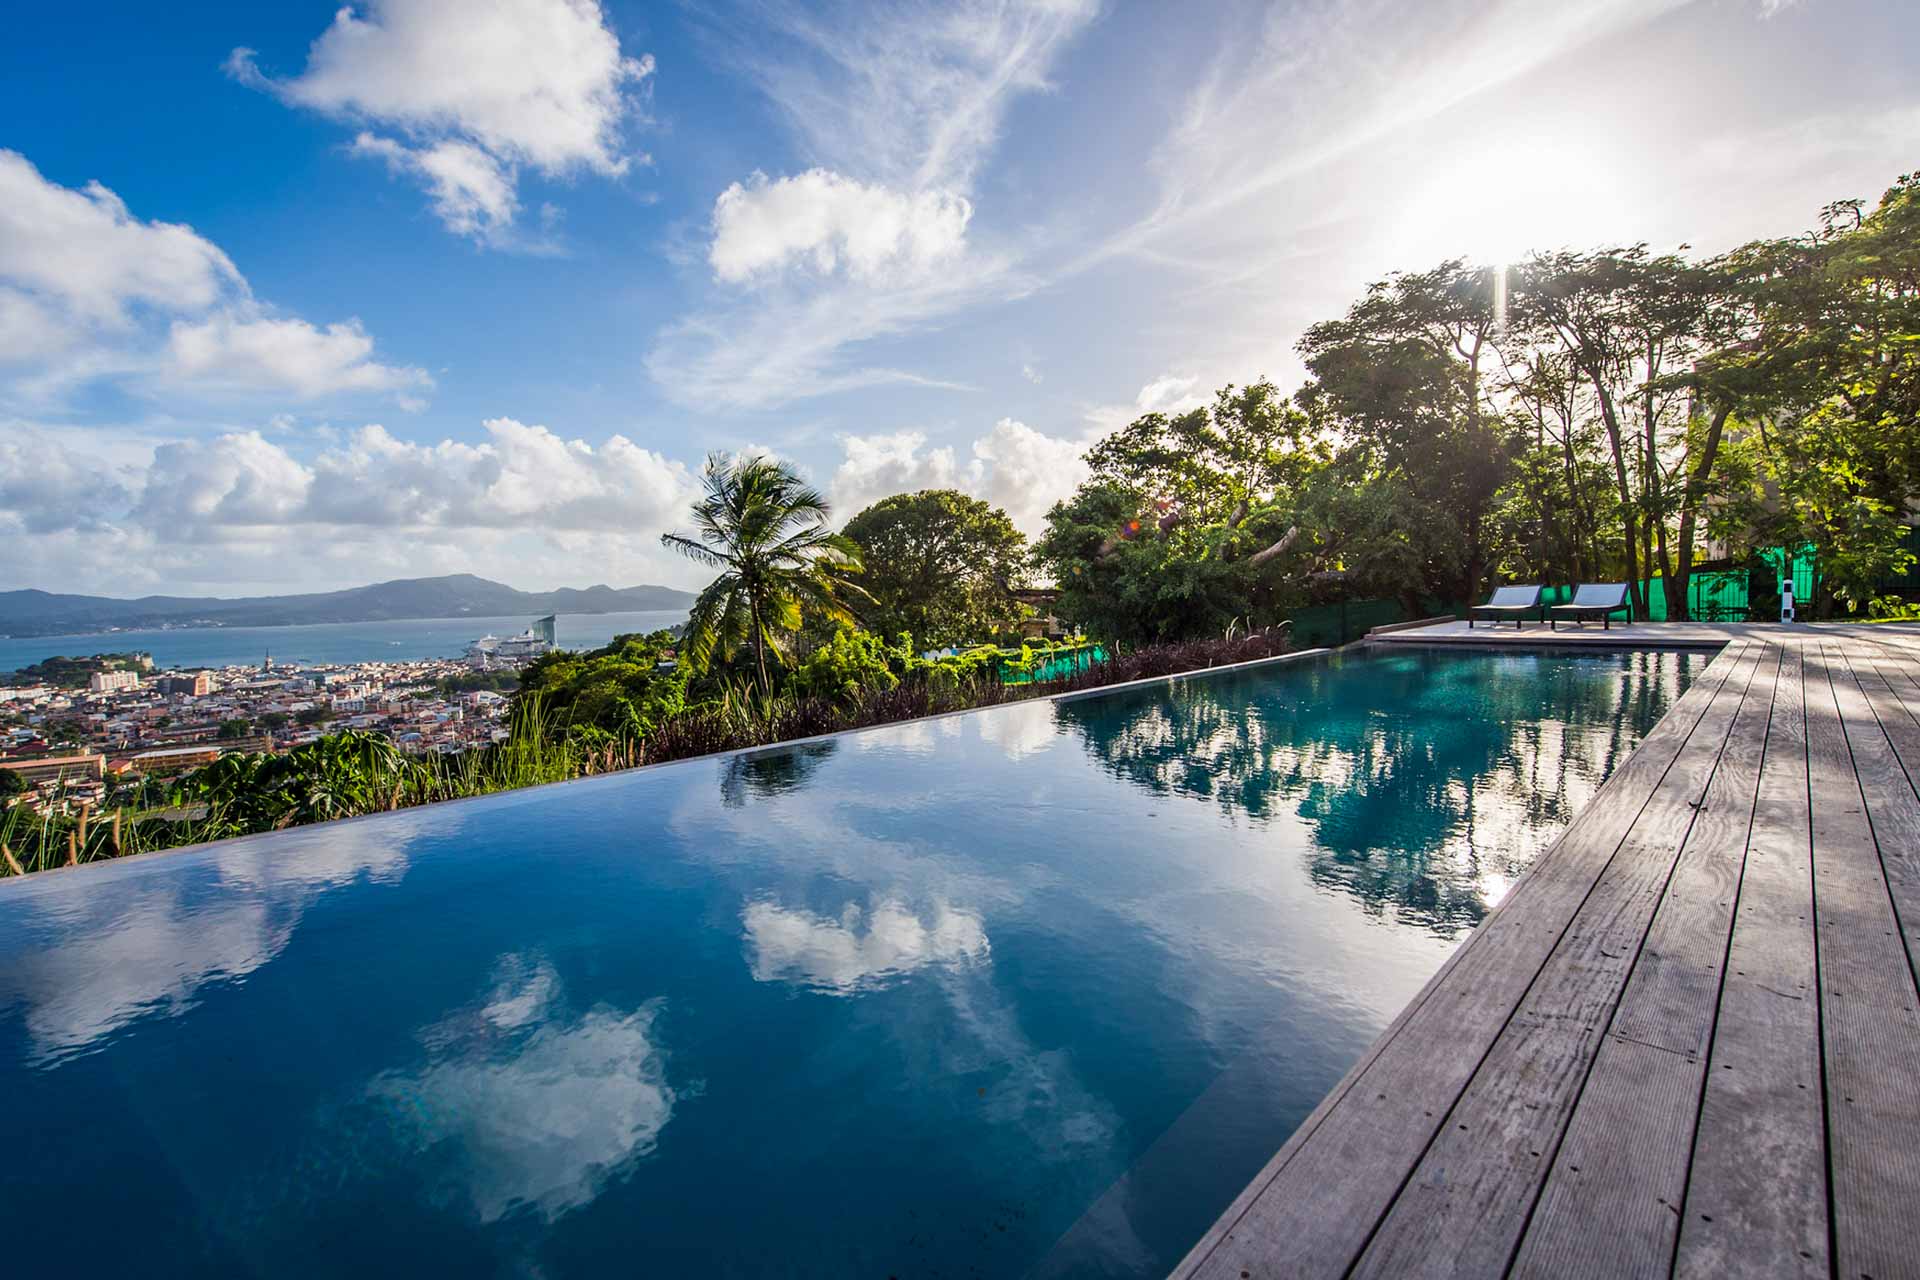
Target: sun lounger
(1593,600)
(1514,602)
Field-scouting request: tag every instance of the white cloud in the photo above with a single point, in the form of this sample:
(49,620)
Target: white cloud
(473,193)
(894,462)
(1025,471)
(31,331)
(860,950)
(898,108)
(829,222)
(912,93)
(85,252)
(478,90)
(47,488)
(520,477)
(790,345)
(89,292)
(226,351)
(1169,393)
(127,514)
(543,1108)
(1013,466)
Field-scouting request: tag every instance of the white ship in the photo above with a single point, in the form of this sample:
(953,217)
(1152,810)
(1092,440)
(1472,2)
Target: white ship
(491,651)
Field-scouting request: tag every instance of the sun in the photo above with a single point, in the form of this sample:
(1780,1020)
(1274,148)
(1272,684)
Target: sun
(1496,203)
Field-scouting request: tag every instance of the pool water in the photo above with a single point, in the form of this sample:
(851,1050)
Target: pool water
(1027,991)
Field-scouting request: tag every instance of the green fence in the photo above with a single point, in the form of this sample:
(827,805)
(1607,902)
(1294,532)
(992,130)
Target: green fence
(1063,663)
(1713,595)
(1327,626)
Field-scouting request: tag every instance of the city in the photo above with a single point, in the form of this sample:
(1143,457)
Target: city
(132,727)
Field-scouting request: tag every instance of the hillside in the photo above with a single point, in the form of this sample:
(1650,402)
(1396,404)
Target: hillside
(43,613)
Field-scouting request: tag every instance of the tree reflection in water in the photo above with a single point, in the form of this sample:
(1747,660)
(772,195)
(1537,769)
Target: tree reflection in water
(1428,779)
(771,771)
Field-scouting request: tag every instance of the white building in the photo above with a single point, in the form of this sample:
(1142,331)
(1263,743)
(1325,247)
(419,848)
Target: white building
(113,681)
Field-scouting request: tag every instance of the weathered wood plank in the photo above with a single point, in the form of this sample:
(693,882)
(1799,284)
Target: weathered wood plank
(1756,1198)
(1312,1208)
(1610,1203)
(1875,679)
(1870,1027)
(1462,1211)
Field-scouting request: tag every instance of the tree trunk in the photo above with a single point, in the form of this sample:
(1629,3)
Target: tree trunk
(759,640)
(1690,513)
(1630,525)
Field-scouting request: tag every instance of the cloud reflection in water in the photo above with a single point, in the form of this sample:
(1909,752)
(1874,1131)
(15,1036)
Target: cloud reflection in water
(861,949)
(520,1104)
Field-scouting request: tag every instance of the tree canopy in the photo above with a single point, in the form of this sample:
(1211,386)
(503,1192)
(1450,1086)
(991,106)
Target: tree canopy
(766,531)
(939,565)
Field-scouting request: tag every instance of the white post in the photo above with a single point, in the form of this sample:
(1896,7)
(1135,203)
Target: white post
(1786,599)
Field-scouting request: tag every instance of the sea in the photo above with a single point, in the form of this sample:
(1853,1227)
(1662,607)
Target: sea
(402,640)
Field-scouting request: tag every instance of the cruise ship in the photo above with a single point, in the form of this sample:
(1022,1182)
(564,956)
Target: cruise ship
(491,651)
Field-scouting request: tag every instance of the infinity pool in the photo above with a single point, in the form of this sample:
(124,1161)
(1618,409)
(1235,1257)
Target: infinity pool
(1032,990)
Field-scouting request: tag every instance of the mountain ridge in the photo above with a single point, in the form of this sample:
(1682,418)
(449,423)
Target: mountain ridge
(32,612)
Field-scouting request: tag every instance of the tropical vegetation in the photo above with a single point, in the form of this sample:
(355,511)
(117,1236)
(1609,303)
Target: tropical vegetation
(1608,414)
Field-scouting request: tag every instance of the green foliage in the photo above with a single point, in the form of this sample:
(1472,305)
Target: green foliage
(1189,523)
(765,531)
(623,689)
(851,664)
(231,729)
(476,681)
(1832,368)
(938,564)
(1405,375)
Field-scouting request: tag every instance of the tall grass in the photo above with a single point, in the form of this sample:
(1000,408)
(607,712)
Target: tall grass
(349,774)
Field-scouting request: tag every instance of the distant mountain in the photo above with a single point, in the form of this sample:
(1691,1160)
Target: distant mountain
(43,613)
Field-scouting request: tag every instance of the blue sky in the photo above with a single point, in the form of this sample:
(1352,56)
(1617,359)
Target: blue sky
(296,297)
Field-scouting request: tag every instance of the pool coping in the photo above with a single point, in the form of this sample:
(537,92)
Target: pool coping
(787,744)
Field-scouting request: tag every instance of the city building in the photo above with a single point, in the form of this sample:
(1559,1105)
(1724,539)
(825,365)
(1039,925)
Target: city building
(168,760)
(191,685)
(79,768)
(112,681)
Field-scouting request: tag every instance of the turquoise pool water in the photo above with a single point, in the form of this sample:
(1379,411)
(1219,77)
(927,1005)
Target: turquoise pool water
(1030,991)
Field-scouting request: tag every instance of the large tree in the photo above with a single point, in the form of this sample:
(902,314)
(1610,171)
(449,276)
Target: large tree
(1405,375)
(1636,337)
(766,531)
(939,565)
(1831,376)
(1186,526)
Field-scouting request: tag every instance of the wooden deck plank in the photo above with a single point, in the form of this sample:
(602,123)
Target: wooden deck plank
(1894,817)
(1462,1211)
(1312,1208)
(1610,1203)
(1707,1029)
(1870,1028)
(1756,1197)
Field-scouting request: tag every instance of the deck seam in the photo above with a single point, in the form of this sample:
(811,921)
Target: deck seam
(1693,816)
(1726,963)
(1819,979)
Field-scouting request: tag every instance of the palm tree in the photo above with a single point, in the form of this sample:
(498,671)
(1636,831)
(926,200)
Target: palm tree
(766,530)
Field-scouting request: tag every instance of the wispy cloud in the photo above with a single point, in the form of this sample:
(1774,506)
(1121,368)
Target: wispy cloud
(895,110)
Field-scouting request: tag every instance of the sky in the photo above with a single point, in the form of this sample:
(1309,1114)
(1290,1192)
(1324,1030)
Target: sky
(299,297)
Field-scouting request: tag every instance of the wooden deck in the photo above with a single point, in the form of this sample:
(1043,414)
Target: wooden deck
(1688,1042)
